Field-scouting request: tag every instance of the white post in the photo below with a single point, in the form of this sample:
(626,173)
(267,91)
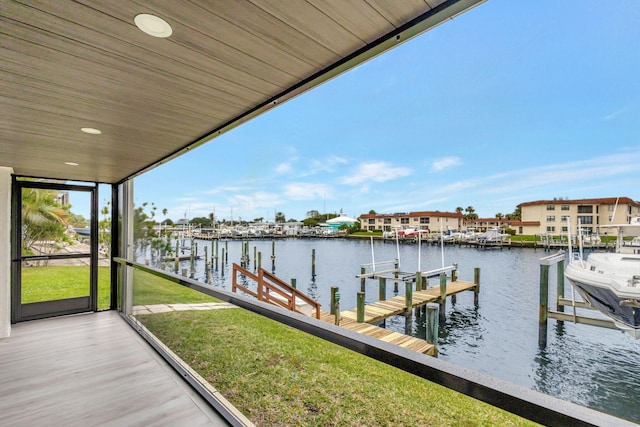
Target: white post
(441,243)
(126,194)
(373,257)
(419,250)
(5,251)
(398,250)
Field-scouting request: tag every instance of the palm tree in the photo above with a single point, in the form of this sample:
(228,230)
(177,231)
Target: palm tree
(470,213)
(43,219)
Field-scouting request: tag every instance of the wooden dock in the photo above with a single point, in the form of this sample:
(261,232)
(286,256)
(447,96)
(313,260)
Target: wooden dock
(380,310)
(401,340)
(275,291)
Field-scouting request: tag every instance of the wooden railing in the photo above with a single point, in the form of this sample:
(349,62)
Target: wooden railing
(273,290)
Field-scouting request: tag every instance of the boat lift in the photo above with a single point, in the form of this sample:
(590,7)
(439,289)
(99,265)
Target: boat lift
(559,314)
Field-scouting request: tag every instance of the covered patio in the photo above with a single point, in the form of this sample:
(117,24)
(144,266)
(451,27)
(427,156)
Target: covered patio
(100,92)
(92,369)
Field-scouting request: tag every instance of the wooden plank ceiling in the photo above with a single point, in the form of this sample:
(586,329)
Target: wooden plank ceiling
(73,64)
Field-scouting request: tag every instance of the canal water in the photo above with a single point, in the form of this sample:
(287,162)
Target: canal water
(591,366)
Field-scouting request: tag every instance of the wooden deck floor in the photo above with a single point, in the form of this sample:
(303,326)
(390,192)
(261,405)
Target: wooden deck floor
(92,369)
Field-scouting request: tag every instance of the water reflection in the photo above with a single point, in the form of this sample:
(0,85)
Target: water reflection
(312,289)
(600,376)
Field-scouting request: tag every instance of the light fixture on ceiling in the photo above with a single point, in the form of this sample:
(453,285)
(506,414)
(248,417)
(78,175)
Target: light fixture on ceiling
(71,163)
(92,131)
(152,25)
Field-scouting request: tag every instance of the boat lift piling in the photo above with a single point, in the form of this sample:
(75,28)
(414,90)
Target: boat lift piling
(273,256)
(413,298)
(559,314)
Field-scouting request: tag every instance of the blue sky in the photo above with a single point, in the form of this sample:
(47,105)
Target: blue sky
(510,102)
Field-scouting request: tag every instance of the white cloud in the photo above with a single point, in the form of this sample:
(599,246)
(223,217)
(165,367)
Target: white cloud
(225,189)
(617,113)
(306,191)
(554,180)
(327,164)
(376,172)
(444,163)
(283,168)
(255,200)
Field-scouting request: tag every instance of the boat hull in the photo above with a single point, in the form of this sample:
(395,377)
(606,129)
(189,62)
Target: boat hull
(620,309)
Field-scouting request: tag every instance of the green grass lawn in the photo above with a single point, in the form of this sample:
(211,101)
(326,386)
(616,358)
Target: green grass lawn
(149,289)
(367,233)
(58,282)
(277,375)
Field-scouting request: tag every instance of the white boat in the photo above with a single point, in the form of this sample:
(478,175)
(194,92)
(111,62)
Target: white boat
(610,281)
(493,236)
(406,233)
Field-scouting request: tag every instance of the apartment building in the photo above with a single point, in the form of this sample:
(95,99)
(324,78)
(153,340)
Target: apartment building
(418,220)
(554,216)
(483,224)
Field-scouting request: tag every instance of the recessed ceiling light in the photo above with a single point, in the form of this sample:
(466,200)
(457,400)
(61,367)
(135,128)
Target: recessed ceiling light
(152,25)
(92,131)
(71,163)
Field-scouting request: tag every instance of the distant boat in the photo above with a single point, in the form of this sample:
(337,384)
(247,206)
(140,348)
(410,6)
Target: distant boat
(407,233)
(610,282)
(83,231)
(493,236)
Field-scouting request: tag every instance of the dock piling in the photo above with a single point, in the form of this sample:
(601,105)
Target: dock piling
(443,295)
(560,285)
(360,314)
(293,285)
(544,303)
(408,322)
(207,270)
(222,262)
(454,277)
(476,280)
(313,262)
(431,323)
(382,291)
(362,279)
(177,256)
(273,255)
(334,297)
(192,262)
(408,296)
(396,267)
(217,252)
(336,307)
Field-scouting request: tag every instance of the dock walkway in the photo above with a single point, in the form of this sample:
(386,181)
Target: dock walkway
(401,340)
(380,310)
